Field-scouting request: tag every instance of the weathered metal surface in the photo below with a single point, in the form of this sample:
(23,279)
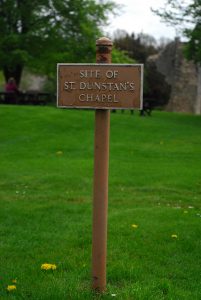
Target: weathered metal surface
(100,190)
(100,199)
(100,86)
(104,50)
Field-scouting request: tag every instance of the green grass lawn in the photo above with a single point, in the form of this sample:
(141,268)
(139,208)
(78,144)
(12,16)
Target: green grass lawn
(46,179)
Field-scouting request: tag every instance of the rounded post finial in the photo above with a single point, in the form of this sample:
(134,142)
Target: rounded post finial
(104,41)
(103,50)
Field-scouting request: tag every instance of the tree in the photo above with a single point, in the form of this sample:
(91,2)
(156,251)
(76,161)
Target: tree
(185,16)
(138,47)
(156,89)
(40,33)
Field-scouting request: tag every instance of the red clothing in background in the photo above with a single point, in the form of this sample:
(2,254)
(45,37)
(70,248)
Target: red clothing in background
(11,87)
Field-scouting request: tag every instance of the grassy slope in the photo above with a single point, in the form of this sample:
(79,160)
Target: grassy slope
(45,204)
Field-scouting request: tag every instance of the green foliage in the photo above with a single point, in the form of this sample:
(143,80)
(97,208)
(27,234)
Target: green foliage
(40,34)
(156,89)
(46,205)
(121,57)
(193,48)
(2,82)
(137,47)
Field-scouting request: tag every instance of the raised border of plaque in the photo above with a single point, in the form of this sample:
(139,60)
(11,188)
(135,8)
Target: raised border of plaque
(100,86)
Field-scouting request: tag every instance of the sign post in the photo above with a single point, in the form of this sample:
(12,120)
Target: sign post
(102,86)
(100,197)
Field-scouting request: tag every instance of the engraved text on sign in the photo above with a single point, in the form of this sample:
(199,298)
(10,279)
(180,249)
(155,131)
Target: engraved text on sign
(99,86)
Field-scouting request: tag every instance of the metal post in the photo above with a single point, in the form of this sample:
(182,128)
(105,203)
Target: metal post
(100,197)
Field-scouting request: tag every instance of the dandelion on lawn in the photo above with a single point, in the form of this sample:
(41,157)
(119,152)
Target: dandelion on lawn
(59,152)
(48,267)
(11,288)
(134,226)
(14,281)
(174,236)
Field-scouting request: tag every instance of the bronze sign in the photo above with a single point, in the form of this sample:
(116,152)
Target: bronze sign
(101,86)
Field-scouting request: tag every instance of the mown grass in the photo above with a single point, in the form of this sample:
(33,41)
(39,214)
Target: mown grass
(46,177)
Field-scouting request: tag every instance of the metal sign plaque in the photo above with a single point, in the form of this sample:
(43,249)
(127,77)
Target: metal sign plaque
(100,86)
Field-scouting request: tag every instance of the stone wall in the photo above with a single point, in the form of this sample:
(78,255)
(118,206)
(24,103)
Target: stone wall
(32,82)
(183,76)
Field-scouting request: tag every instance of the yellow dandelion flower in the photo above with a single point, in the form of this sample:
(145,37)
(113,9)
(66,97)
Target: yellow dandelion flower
(174,236)
(48,267)
(134,225)
(11,288)
(53,267)
(14,281)
(59,152)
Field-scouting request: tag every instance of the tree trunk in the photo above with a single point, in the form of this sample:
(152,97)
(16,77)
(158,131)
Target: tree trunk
(15,71)
(198,99)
